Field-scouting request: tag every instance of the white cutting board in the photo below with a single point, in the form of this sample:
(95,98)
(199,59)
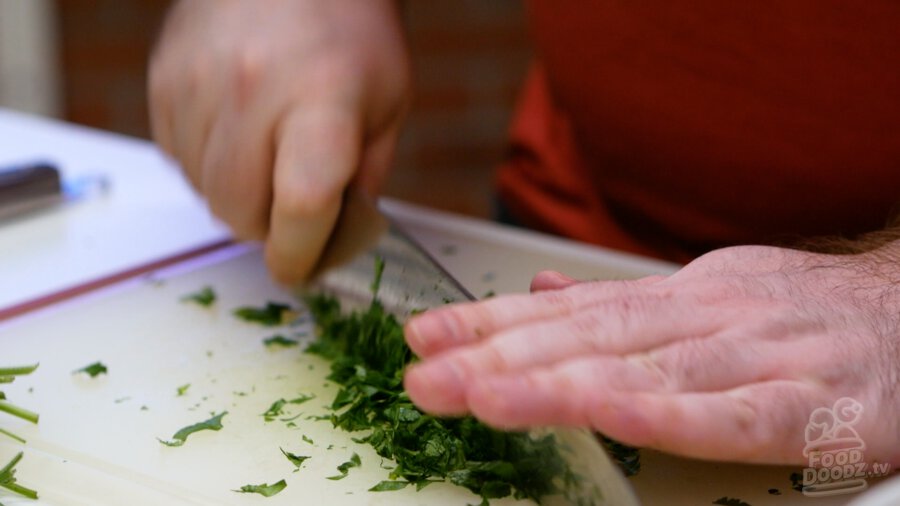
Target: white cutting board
(96,446)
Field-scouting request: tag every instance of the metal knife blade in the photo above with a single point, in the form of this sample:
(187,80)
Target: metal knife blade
(413,281)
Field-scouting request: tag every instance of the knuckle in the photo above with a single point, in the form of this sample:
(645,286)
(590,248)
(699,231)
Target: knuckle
(301,202)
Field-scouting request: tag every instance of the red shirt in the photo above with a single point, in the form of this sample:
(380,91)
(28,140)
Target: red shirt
(672,128)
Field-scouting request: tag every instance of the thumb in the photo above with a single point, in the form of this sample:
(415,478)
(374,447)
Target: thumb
(317,154)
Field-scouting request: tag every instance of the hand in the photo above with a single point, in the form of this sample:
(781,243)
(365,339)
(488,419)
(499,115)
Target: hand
(273,107)
(724,360)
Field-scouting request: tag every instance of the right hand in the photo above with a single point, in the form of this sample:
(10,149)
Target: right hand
(274,107)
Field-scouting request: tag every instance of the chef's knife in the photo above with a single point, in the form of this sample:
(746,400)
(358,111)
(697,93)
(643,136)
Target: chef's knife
(413,281)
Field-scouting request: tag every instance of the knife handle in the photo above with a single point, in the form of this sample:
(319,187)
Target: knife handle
(27,187)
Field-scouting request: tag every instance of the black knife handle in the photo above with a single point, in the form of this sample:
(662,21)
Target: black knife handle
(27,186)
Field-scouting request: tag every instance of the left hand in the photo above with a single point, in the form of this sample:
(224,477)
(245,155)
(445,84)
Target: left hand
(725,359)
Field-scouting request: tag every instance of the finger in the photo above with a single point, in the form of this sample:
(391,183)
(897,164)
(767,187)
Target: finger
(194,111)
(613,326)
(160,108)
(376,160)
(459,324)
(551,280)
(236,173)
(441,388)
(760,422)
(721,362)
(445,376)
(318,153)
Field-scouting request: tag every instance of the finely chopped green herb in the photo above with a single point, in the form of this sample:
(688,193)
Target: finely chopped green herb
(270,315)
(280,340)
(368,354)
(8,472)
(204,297)
(93,370)
(295,459)
(264,490)
(178,439)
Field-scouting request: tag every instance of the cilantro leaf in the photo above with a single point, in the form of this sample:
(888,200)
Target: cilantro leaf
(270,315)
(178,439)
(730,501)
(280,340)
(264,490)
(182,390)
(389,485)
(93,370)
(204,297)
(295,459)
(346,466)
(368,355)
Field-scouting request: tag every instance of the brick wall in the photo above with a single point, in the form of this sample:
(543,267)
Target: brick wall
(469,57)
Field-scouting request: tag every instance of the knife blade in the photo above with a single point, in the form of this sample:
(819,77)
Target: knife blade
(413,281)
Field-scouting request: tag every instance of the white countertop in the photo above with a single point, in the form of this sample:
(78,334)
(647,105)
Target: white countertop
(94,436)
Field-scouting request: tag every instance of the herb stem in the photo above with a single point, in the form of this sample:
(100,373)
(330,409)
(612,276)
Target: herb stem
(22,413)
(11,435)
(18,371)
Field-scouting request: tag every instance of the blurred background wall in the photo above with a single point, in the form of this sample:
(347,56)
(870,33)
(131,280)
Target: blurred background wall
(85,61)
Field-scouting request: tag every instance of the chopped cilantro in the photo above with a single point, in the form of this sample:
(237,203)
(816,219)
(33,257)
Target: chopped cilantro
(626,456)
(270,315)
(389,485)
(797,481)
(277,407)
(730,501)
(295,459)
(368,355)
(275,410)
(280,340)
(308,440)
(178,439)
(93,370)
(204,297)
(346,466)
(264,490)
(182,390)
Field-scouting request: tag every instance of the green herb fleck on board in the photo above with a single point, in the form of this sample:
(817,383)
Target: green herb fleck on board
(344,468)
(796,481)
(178,439)
(204,297)
(182,390)
(264,490)
(295,459)
(93,370)
(389,485)
(730,501)
(280,340)
(306,439)
(270,315)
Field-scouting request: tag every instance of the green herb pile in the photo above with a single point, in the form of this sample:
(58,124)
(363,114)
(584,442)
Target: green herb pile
(368,354)
(8,472)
